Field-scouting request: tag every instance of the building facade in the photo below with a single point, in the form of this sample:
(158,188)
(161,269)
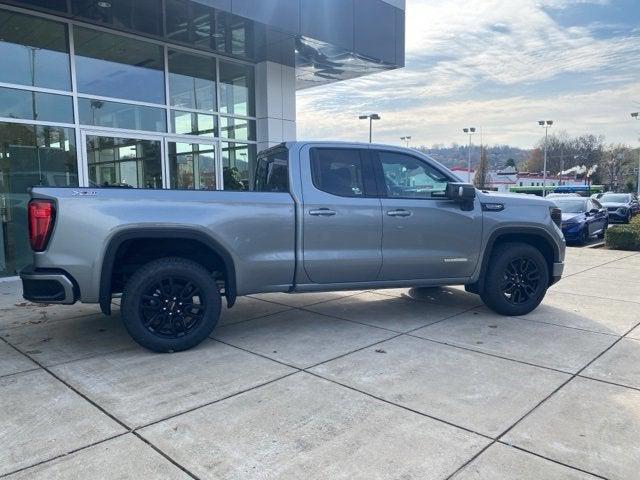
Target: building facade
(173,94)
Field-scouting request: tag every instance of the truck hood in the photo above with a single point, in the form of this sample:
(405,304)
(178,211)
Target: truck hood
(514,199)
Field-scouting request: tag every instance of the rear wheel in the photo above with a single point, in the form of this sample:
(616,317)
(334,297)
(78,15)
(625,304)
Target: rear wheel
(170,305)
(517,279)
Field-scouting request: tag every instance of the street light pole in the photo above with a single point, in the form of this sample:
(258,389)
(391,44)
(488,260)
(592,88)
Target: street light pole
(371,118)
(635,115)
(545,124)
(469,131)
(406,139)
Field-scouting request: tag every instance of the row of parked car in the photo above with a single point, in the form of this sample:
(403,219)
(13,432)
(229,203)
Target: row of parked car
(584,218)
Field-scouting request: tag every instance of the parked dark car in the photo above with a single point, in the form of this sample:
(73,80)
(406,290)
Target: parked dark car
(621,206)
(582,218)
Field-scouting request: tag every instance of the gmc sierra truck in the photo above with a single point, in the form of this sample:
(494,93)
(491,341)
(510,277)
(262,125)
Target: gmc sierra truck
(312,217)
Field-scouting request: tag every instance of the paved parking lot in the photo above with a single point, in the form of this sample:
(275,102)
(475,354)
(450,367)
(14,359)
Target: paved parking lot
(404,384)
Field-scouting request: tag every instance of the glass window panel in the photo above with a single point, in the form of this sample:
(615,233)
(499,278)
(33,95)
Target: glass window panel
(38,49)
(237,128)
(338,172)
(192,81)
(57,5)
(35,106)
(124,162)
(121,115)
(29,155)
(272,172)
(236,89)
(239,165)
(408,177)
(192,166)
(143,16)
(114,66)
(208,28)
(188,123)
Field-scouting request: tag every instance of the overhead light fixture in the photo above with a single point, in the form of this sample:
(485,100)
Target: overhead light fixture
(104,4)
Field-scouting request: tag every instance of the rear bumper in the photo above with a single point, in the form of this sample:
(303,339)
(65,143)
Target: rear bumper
(558,269)
(48,286)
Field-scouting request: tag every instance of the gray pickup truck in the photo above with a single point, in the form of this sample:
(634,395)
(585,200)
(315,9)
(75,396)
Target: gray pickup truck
(313,217)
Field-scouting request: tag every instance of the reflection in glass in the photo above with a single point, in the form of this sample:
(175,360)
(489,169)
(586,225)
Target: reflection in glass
(114,66)
(236,89)
(192,166)
(124,162)
(239,164)
(38,49)
(192,81)
(58,5)
(28,105)
(143,16)
(29,155)
(121,115)
(237,128)
(187,123)
(207,28)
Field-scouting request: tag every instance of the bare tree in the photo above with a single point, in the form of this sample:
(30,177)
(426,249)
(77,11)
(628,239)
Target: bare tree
(615,163)
(480,180)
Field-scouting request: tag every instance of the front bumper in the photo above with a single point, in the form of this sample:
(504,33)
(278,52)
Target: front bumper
(572,231)
(558,269)
(616,216)
(48,286)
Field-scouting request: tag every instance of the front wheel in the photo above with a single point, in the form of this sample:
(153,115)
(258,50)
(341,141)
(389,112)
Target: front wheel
(604,231)
(170,305)
(517,279)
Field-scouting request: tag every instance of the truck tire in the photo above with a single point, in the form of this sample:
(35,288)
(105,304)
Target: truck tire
(516,280)
(170,305)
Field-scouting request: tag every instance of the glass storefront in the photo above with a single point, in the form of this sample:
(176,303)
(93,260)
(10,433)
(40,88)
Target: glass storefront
(81,106)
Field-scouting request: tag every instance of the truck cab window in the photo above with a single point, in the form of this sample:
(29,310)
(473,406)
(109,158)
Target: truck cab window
(272,173)
(408,177)
(338,171)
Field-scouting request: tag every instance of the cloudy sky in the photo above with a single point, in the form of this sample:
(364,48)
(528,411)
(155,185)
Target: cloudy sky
(496,64)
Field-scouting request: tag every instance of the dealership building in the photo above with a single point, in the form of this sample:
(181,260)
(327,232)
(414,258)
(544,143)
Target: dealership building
(173,94)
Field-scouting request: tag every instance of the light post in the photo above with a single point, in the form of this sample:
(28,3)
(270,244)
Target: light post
(545,124)
(371,117)
(469,131)
(635,115)
(406,139)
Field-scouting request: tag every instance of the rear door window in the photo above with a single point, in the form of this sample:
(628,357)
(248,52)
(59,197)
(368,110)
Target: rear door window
(342,172)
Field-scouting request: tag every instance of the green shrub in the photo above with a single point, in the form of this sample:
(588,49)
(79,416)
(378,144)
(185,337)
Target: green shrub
(624,237)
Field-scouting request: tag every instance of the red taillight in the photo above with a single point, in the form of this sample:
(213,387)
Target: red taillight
(42,214)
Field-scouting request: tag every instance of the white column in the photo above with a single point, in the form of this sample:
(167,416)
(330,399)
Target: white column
(275,104)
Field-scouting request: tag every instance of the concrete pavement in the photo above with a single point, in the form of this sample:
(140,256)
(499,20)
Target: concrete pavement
(408,383)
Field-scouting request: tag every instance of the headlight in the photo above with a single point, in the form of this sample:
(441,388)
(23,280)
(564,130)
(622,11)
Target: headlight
(623,210)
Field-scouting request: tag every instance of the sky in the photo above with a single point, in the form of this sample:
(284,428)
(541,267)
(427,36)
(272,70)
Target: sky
(499,65)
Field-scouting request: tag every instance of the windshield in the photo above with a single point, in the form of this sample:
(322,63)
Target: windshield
(571,205)
(612,198)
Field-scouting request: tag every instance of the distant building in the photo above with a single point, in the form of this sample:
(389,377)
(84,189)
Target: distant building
(502,180)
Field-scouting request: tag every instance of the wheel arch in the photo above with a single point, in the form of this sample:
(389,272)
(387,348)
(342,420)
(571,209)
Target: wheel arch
(120,239)
(534,236)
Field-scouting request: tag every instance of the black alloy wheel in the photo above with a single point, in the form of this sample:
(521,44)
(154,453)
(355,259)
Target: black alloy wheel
(172,307)
(171,304)
(516,279)
(521,281)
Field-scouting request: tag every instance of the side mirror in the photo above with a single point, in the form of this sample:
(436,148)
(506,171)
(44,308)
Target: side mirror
(593,211)
(460,192)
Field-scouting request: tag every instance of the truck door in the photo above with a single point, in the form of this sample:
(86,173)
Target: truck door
(342,219)
(425,236)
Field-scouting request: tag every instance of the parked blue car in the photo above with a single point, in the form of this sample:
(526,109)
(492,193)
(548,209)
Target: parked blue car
(582,218)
